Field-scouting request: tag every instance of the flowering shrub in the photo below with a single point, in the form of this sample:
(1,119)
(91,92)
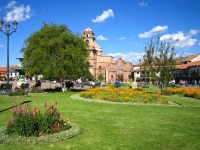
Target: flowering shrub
(17,92)
(26,122)
(36,90)
(124,95)
(187,92)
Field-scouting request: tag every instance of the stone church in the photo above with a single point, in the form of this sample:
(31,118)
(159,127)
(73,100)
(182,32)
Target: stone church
(105,65)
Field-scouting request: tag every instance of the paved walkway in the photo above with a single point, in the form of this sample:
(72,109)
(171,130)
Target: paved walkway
(76,86)
(190,86)
(46,85)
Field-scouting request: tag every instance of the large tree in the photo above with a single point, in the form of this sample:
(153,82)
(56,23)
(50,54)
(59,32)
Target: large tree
(160,61)
(55,52)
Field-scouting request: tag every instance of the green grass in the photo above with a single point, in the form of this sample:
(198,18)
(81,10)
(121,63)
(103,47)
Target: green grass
(108,126)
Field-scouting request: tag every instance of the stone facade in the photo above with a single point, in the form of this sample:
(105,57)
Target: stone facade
(105,65)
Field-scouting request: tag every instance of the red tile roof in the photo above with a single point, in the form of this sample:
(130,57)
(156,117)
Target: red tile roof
(189,58)
(5,68)
(191,64)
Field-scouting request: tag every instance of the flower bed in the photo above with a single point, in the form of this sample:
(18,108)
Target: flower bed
(16,140)
(187,92)
(29,124)
(124,95)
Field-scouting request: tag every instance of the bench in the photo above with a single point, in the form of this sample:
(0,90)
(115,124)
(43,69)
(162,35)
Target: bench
(5,87)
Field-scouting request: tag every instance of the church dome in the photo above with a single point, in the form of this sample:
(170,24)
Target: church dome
(97,46)
(94,45)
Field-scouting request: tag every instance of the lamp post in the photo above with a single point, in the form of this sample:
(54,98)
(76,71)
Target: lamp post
(144,57)
(8,33)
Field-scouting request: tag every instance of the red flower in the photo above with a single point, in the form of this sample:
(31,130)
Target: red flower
(50,107)
(13,103)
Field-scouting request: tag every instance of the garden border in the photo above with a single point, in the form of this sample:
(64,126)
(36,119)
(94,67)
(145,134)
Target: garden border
(72,132)
(76,96)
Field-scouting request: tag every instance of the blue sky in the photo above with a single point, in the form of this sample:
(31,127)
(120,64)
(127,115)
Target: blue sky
(121,27)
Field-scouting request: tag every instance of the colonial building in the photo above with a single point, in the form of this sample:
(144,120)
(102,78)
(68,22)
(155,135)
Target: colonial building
(12,73)
(187,68)
(105,65)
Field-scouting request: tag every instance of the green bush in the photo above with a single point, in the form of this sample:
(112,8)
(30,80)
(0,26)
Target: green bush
(33,123)
(17,92)
(171,85)
(36,90)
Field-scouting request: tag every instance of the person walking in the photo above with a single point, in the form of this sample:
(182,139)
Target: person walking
(193,82)
(186,83)
(199,83)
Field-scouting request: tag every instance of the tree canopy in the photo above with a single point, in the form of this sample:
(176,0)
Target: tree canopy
(160,61)
(100,77)
(55,52)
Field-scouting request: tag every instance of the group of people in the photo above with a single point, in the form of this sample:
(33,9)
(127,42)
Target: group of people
(67,84)
(193,82)
(38,83)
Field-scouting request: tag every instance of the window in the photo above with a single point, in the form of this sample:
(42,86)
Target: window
(111,76)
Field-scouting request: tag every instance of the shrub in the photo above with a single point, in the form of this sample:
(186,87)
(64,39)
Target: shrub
(26,122)
(36,90)
(171,85)
(17,92)
(58,89)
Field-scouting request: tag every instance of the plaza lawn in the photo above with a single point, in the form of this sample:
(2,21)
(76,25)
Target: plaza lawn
(108,126)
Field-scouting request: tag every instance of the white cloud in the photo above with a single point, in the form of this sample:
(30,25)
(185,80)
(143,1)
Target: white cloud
(143,4)
(199,44)
(181,40)
(155,30)
(19,13)
(122,38)
(11,4)
(193,32)
(105,15)
(100,37)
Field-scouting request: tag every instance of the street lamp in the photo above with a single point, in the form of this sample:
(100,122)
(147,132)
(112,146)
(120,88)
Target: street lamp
(144,57)
(8,33)
(140,71)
